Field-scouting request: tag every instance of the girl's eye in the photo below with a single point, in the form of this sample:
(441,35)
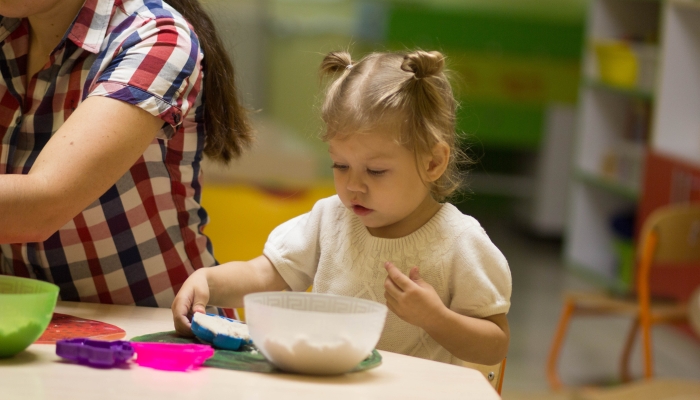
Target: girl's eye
(376,172)
(339,167)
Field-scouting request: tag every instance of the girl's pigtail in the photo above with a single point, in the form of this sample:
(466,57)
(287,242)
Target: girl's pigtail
(423,64)
(428,93)
(335,62)
(433,107)
(332,65)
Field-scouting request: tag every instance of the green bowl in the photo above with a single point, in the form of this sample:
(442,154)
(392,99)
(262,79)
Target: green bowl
(26,307)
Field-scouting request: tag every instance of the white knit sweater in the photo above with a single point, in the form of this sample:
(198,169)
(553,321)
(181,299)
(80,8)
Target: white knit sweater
(331,249)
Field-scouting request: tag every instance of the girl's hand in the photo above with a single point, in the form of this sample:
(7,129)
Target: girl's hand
(410,297)
(192,297)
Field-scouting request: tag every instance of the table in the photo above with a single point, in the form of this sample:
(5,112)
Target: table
(37,373)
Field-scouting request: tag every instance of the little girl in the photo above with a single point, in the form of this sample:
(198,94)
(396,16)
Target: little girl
(386,236)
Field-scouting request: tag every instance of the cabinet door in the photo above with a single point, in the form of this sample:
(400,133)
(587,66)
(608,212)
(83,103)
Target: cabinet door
(668,180)
(676,127)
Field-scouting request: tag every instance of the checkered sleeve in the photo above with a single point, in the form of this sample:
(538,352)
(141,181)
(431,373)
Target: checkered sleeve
(154,64)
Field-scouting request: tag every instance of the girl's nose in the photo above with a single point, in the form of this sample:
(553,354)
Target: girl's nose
(355,183)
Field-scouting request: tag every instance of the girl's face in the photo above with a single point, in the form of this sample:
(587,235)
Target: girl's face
(378,179)
(27,8)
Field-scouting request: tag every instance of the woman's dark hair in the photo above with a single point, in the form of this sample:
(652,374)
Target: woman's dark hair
(225,119)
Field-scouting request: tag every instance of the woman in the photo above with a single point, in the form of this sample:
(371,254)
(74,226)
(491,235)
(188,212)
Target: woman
(103,123)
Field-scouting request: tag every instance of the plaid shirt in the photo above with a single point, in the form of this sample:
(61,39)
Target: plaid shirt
(141,239)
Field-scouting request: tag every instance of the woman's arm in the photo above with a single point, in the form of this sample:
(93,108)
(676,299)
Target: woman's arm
(481,341)
(224,286)
(100,141)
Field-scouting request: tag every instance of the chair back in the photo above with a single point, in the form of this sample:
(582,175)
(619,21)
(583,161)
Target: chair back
(677,228)
(670,235)
(493,373)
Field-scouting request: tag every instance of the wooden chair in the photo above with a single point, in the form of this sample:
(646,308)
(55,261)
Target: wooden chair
(670,235)
(654,389)
(493,373)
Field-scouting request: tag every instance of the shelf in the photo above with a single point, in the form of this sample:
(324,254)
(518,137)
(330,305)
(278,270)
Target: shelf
(630,92)
(607,184)
(620,129)
(623,19)
(693,4)
(612,134)
(590,240)
(676,123)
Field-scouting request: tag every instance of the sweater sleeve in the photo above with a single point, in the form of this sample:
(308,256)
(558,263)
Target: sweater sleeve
(480,280)
(293,248)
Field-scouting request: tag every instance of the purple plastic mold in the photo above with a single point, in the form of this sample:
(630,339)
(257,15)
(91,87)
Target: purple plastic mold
(97,353)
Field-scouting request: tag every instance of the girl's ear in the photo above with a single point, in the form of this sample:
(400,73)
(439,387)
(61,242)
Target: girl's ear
(437,162)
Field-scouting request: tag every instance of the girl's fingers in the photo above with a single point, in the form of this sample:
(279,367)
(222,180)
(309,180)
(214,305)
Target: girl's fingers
(199,301)
(182,323)
(182,326)
(414,274)
(391,289)
(199,306)
(391,303)
(387,293)
(400,280)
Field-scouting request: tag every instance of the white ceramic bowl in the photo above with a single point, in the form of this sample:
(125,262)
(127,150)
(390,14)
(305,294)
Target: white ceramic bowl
(314,333)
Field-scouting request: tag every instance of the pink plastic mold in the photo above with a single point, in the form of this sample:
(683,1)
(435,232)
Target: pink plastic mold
(171,356)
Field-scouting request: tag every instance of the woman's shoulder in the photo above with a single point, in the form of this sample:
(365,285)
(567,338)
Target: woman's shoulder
(149,8)
(137,13)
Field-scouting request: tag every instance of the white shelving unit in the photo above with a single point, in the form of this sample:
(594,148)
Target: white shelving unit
(609,155)
(611,139)
(677,119)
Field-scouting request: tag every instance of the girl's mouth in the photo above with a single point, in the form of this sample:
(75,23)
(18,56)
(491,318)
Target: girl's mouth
(361,211)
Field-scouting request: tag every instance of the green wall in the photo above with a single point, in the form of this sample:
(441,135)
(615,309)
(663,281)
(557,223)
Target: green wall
(510,62)
(511,57)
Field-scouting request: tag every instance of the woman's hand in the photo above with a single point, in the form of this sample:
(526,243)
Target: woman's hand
(410,297)
(192,298)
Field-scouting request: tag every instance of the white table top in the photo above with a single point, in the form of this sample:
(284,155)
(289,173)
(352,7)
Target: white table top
(37,373)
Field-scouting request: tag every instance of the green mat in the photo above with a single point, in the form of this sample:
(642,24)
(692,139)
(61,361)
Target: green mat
(246,359)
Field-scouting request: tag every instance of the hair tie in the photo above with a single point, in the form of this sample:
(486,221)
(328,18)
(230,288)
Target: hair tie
(349,66)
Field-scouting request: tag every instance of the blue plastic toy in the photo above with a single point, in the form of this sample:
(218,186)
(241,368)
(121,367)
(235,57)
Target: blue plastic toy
(218,339)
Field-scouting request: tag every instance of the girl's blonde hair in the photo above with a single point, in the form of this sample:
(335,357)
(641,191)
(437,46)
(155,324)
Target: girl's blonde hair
(408,89)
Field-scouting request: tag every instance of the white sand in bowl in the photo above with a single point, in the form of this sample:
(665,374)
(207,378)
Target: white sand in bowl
(305,356)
